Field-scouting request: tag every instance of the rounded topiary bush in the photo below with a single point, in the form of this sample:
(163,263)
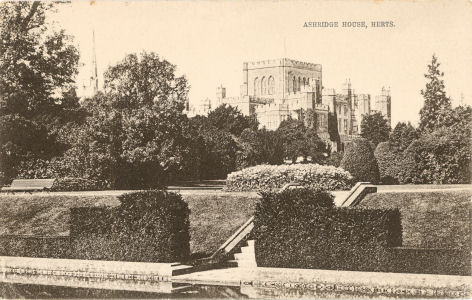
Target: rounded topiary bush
(360,162)
(387,161)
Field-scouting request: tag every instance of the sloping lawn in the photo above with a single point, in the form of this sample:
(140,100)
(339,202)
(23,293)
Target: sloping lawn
(430,219)
(46,215)
(213,216)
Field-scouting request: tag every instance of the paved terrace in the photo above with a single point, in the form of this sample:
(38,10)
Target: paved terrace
(335,281)
(218,190)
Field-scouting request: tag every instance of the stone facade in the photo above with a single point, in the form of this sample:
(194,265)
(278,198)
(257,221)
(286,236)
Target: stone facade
(275,90)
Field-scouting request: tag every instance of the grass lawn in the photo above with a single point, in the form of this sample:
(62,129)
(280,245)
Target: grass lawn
(214,216)
(430,219)
(46,215)
(436,219)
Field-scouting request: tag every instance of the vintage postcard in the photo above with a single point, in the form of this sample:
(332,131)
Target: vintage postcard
(211,149)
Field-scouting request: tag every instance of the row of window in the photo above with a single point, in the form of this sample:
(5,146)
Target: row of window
(264,86)
(346,110)
(295,85)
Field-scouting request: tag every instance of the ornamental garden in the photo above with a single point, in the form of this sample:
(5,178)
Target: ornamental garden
(134,136)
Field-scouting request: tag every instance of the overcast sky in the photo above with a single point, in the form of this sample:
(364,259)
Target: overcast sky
(210,40)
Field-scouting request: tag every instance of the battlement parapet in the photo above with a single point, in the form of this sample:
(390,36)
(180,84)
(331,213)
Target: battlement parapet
(260,100)
(281,62)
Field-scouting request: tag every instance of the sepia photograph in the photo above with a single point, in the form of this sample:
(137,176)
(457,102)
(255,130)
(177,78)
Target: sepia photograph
(217,149)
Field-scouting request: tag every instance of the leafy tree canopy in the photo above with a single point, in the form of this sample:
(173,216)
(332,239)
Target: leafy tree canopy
(38,64)
(300,141)
(402,136)
(136,131)
(229,118)
(375,128)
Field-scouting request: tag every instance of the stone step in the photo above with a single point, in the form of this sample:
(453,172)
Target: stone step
(231,263)
(247,264)
(247,249)
(245,256)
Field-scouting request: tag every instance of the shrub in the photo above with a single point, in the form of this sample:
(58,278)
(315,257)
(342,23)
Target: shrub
(302,229)
(442,156)
(148,226)
(269,177)
(359,160)
(273,204)
(395,166)
(334,159)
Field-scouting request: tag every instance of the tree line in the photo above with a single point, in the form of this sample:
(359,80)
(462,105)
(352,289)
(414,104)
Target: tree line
(134,134)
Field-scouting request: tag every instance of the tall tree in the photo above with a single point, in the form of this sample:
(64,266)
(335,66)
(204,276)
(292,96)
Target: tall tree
(375,128)
(136,132)
(436,103)
(299,141)
(37,64)
(37,69)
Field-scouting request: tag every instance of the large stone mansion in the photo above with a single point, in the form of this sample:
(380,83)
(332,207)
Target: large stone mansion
(275,90)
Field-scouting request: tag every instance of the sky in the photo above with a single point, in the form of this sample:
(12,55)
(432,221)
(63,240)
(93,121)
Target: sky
(210,40)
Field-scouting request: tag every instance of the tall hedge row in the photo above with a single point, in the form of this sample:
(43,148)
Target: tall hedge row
(35,246)
(302,229)
(147,226)
(272,177)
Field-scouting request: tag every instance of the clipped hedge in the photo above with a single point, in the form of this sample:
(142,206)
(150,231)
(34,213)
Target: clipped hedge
(328,238)
(271,177)
(33,246)
(150,226)
(69,184)
(302,229)
(429,261)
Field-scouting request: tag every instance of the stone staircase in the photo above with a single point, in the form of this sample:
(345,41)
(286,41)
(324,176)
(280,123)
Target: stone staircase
(246,258)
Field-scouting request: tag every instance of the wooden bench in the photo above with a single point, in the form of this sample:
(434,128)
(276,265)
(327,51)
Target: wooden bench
(29,185)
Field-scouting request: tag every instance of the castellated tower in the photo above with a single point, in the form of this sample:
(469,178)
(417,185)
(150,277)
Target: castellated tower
(278,89)
(383,104)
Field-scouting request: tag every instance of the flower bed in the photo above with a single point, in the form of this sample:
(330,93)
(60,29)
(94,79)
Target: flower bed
(271,177)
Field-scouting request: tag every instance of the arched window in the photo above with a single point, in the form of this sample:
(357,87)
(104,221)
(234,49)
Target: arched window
(257,87)
(304,82)
(308,81)
(294,85)
(271,85)
(264,86)
(299,84)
